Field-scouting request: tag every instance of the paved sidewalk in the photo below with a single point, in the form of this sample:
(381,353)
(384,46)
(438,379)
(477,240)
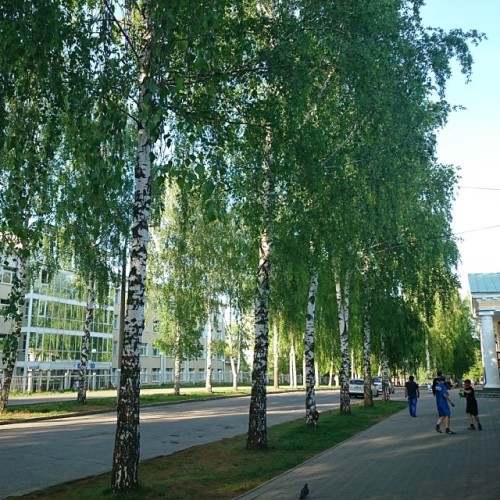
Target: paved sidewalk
(404,458)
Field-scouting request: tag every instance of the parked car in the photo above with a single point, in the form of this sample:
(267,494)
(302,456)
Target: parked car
(357,388)
(377,381)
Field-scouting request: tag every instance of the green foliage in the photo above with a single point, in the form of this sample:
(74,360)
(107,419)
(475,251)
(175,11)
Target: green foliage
(340,101)
(453,347)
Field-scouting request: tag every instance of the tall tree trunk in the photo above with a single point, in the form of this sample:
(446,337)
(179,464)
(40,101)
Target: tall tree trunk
(257,428)
(276,359)
(367,355)
(257,425)
(84,356)
(177,373)
(293,364)
(386,390)
(208,350)
(232,350)
(125,471)
(312,413)
(343,312)
(11,342)
(427,359)
(331,378)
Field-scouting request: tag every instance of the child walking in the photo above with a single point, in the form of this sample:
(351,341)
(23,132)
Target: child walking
(471,406)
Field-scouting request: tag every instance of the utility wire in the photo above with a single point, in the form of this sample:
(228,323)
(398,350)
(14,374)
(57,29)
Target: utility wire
(476,187)
(479,229)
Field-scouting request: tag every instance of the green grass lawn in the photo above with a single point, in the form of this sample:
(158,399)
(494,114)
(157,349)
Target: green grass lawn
(72,407)
(225,469)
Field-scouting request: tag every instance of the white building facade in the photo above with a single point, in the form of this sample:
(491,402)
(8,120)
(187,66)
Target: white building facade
(50,346)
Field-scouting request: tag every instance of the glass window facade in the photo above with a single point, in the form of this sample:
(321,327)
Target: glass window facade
(55,320)
(46,347)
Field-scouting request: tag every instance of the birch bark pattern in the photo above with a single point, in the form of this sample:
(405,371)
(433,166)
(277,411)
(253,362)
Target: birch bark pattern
(312,413)
(257,424)
(257,427)
(84,356)
(125,471)
(367,355)
(208,350)
(343,317)
(11,342)
(386,393)
(231,342)
(292,363)
(276,382)
(177,368)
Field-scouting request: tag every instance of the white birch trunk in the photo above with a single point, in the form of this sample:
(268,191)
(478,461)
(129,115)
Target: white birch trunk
(386,392)
(257,425)
(331,378)
(231,343)
(276,356)
(427,360)
(177,373)
(312,413)
(208,351)
(367,356)
(293,364)
(11,342)
(125,471)
(257,429)
(343,317)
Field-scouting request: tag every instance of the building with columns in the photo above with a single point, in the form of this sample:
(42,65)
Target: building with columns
(485,305)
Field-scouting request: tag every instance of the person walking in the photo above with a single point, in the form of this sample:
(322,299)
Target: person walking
(412,392)
(435,382)
(471,406)
(443,402)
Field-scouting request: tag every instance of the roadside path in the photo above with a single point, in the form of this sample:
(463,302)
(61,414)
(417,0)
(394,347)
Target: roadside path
(403,458)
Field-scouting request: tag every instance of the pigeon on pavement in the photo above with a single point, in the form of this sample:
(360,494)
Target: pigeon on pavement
(304,491)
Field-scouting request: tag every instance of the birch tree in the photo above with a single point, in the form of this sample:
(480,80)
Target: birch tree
(312,413)
(32,97)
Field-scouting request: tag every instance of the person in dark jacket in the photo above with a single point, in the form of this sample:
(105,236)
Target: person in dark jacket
(471,406)
(412,392)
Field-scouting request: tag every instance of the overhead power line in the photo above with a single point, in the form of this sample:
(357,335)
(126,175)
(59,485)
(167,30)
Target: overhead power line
(477,187)
(479,229)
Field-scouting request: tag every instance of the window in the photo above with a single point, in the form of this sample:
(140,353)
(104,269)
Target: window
(169,372)
(156,352)
(6,276)
(143,349)
(116,319)
(156,375)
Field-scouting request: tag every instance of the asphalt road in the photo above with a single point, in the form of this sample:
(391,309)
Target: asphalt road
(40,454)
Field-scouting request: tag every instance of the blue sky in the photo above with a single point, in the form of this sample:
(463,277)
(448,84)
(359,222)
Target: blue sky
(471,139)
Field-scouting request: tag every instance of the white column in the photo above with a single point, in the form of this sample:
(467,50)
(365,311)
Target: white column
(489,351)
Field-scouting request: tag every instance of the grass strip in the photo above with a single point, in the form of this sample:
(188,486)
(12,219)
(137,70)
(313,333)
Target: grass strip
(72,407)
(226,469)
